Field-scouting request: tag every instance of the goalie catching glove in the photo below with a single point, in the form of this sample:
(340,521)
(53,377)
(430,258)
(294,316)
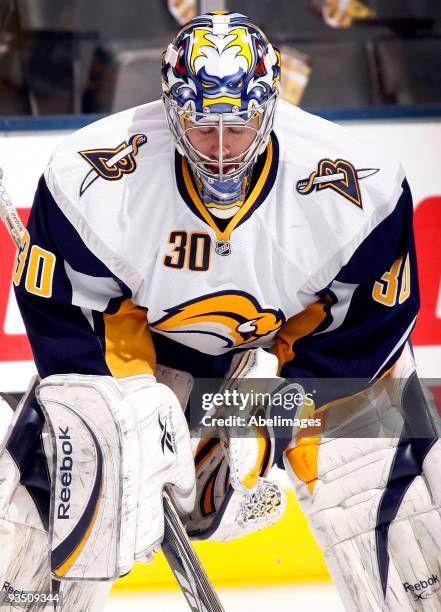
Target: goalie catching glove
(234,497)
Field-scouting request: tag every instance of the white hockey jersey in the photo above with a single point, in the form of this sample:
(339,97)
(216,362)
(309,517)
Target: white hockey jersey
(123,264)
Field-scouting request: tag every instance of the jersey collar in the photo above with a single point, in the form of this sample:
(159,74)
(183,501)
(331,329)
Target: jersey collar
(255,198)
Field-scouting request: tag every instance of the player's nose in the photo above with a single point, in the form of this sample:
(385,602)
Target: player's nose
(217,143)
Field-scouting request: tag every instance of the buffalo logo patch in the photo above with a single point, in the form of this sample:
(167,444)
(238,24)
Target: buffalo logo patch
(234,318)
(112,164)
(339,175)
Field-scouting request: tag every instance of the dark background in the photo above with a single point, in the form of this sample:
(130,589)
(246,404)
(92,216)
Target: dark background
(101,56)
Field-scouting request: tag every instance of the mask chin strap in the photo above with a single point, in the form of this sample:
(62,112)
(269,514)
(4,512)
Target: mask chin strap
(225,192)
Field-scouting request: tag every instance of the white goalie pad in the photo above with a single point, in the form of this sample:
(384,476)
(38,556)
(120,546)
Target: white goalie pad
(9,472)
(374,503)
(6,413)
(166,458)
(24,569)
(16,504)
(24,561)
(94,477)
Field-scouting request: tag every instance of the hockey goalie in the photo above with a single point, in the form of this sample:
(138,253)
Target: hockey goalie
(219,233)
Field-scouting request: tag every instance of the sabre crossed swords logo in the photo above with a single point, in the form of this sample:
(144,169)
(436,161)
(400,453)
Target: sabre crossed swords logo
(112,164)
(339,175)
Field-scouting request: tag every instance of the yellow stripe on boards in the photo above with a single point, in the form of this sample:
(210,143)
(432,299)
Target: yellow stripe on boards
(129,344)
(286,552)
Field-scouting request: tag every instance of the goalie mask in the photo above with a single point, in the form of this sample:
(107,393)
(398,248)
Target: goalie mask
(220,76)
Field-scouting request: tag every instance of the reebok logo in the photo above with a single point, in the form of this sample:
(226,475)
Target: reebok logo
(9,590)
(167,437)
(65,472)
(418,589)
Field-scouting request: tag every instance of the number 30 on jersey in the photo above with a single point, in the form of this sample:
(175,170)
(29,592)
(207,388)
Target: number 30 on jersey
(188,250)
(40,268)
(394,285)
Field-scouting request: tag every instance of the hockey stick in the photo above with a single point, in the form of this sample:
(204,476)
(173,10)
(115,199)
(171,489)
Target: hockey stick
(185,564)
(176,545)
(9,215)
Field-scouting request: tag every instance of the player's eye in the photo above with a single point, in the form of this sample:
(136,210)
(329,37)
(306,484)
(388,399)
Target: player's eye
(235,130)
(206,130)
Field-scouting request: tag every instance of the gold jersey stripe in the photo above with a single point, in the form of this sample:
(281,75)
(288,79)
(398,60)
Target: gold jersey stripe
(297,327)
(129,344)
(303,459)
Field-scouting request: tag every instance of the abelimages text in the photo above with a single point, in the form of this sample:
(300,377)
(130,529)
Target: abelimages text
(234,420)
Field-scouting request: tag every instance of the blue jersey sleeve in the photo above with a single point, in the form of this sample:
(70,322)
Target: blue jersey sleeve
(360,323)
(74,309)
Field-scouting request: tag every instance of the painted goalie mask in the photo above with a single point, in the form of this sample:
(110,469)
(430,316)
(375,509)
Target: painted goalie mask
(221,72)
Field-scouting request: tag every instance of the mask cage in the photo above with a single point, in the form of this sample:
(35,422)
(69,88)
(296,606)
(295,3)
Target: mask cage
(200,163)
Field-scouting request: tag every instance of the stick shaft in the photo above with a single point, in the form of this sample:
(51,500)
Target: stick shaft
(9,215)
(185,564)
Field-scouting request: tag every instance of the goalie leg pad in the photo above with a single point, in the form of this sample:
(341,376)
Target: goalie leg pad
(23,462)
(24,565)
(374,505)
(24,514)
(117,444)
(24,568)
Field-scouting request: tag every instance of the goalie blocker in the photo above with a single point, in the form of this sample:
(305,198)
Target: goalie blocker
(114,446)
